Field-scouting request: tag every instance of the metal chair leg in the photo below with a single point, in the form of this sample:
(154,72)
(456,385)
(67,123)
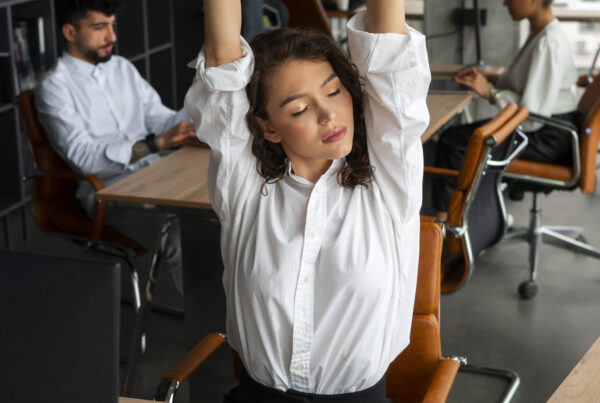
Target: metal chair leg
(511,376)
(140,318)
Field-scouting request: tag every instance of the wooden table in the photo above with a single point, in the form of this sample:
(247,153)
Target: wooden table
(449,70)
(177,180)
(582,384)
(442,108)
(132,400)
(180,179)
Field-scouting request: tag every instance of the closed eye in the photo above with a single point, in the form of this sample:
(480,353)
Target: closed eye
(300,112)
(334,93)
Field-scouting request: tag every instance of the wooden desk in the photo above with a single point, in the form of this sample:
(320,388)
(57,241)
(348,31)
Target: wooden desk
(582,383)
(449,70)
(442,108)
(177,180)
(132,400)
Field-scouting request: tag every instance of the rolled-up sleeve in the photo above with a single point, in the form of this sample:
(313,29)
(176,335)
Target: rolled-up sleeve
(218,104)
(69,136)
(397,76)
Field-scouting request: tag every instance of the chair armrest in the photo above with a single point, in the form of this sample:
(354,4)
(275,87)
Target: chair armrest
(95,181)
(196,356)
(442,381)
(171,381)
(442,172)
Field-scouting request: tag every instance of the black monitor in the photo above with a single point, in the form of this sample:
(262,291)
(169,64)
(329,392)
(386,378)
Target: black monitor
(59,329)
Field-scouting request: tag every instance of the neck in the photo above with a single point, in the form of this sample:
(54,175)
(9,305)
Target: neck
(311,171)
(76,54)
(540,19)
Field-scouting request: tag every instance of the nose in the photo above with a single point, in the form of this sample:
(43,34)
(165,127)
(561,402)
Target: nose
(112,37)
(326,115)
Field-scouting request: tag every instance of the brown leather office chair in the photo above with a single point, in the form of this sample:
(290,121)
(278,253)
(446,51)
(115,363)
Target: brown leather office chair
(476,214)
(57,210)
(539,177)
(308,14)
(420,373)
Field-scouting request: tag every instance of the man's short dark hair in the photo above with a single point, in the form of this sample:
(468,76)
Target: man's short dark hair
(71,11)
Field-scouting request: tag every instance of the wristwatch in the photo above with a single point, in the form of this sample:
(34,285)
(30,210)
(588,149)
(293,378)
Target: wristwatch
(494,95)
(150,141)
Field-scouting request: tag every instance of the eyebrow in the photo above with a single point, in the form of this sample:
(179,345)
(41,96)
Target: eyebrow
(294,97)
(100,24)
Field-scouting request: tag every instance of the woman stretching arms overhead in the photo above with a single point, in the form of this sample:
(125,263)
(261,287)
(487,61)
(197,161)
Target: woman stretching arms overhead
(316,180)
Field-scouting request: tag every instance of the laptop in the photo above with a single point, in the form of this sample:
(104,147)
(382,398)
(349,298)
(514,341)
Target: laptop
(59,329)
(446,86)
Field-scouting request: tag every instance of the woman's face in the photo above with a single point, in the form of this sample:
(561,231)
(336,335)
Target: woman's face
(520,9)
(310,114)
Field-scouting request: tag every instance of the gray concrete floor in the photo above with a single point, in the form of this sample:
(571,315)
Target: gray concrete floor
(485,321)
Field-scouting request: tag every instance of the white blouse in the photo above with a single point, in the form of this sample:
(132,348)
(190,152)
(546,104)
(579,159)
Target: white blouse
(543,74)
(320,279)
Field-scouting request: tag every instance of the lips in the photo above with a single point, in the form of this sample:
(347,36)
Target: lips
(335,134)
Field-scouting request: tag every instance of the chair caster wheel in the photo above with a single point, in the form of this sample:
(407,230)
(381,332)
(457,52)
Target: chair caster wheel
(527,289)
(581,239)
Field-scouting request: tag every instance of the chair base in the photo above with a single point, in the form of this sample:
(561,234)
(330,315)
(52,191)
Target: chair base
(563,236)
(512,377)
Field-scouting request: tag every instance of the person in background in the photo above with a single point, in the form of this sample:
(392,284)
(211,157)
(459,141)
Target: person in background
(316,181)
(99,114)
(541,78)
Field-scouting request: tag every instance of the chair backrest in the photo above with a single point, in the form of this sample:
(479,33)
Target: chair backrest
(589,107)
(476,199)
(308,14)
(50,194)
(410,374)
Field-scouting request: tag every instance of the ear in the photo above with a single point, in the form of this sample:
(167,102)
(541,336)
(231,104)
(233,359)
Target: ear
(268,130)
(69,32)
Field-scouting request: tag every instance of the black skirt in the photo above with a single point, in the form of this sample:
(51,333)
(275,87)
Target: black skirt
(250,391)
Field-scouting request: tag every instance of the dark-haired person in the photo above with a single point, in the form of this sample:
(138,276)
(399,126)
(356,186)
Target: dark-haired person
(541,77)
(317,184)
(100,115)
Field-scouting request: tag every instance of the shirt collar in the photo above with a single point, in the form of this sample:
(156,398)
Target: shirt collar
(334,168)
(81,66)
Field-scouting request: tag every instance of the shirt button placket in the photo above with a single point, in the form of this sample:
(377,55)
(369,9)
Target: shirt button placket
(304,300)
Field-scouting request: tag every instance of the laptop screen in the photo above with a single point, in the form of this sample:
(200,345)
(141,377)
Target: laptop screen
(59,332)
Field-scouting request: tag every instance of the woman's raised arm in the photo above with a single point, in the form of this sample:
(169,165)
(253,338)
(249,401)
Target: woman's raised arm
(222,25)
(386,16)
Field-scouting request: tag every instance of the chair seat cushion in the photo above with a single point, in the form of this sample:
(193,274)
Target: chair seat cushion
(541,170)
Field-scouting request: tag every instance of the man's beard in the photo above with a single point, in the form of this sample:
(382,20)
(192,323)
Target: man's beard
(94,55)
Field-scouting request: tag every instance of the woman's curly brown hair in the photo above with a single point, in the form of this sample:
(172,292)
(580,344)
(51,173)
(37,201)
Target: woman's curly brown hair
(271,50)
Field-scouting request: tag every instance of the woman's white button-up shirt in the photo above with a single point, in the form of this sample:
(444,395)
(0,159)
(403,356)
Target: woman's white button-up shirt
(320,279)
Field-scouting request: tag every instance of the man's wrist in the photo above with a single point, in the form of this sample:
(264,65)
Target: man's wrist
(152,143)
(494,95)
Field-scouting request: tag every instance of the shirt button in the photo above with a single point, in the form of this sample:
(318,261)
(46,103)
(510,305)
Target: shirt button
(303,327)
(317,190)
(299,367)
(306,279)
(314,233)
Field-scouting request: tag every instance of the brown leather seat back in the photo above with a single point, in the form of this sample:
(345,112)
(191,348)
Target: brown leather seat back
(308,14)
(410,374)
(51,195)
(589,106)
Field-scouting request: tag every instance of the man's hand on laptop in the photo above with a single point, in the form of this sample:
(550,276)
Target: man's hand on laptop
(177,135)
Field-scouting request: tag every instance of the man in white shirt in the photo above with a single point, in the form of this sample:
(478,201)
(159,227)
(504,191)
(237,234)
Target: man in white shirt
(100,115)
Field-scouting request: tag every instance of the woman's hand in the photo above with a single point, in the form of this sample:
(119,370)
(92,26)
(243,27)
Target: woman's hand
(473,79)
